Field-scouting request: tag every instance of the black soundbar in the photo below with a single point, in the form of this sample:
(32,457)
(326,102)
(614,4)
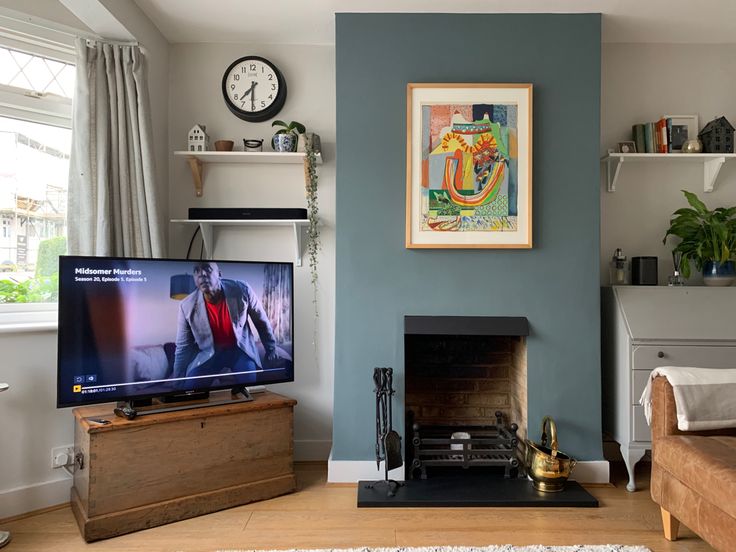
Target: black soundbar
(245,213)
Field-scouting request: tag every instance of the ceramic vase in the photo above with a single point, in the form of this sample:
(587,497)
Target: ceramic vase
(285,142)
(719,274)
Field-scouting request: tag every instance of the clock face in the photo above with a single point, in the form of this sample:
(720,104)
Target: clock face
(254,89)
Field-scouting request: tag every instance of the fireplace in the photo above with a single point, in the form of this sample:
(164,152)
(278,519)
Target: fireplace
(465,408)
(465,400)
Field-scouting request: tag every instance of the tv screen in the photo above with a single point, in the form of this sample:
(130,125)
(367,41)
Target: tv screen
(138,328)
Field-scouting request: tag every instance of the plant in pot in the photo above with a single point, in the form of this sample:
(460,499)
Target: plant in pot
(708,239)
(286,138)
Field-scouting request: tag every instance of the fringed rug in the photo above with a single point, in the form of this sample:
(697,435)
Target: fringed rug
(501,548)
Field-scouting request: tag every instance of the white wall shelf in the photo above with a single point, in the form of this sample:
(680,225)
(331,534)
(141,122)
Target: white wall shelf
(197,160)
(712,163)
(207,229)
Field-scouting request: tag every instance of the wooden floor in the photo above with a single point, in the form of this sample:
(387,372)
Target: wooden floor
(326,516)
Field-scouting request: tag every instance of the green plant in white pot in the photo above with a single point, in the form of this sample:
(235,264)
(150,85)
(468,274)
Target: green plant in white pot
(708,239)
(287,137)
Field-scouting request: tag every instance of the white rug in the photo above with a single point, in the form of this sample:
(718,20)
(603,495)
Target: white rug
(501,548)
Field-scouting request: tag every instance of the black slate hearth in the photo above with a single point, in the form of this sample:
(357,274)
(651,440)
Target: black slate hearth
(467,489)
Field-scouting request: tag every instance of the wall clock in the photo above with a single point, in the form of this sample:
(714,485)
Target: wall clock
(254,89)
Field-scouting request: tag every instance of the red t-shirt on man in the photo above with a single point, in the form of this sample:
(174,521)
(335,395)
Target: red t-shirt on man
(221,324)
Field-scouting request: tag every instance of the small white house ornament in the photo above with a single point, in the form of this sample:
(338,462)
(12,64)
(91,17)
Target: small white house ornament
(198,139)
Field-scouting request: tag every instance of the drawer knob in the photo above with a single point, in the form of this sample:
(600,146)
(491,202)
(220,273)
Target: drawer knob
(660,354)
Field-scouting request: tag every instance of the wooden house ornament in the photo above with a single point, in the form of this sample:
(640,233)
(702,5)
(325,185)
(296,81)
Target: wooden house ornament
(198,139)
(717,136)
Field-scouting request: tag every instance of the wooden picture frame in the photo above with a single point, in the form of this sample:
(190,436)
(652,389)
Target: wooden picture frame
(469,165)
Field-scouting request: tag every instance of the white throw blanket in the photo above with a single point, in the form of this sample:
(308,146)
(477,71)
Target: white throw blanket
(705,398)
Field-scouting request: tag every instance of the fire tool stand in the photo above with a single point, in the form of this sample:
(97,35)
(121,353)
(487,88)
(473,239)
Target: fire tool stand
(388,442)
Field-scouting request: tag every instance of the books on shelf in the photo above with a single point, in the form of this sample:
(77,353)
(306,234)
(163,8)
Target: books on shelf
(656,137)
(637,132)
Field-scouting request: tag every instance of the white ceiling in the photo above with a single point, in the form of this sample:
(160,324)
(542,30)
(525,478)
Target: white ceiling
(313,21)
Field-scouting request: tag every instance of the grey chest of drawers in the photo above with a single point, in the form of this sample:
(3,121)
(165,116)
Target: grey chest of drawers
(645,327)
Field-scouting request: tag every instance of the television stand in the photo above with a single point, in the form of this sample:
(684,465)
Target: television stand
(169,466)
(130,410)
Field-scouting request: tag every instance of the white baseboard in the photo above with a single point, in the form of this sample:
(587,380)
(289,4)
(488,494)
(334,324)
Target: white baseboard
(308,450)
(21,500)
(352,471)
(592,471)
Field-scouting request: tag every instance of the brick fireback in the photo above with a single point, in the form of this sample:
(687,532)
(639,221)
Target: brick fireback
(464,380)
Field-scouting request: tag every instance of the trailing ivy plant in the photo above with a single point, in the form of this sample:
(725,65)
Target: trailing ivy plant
(313,233)
(707,235)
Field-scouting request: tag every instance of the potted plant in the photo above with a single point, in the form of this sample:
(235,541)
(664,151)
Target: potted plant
(286,138)
(708,239)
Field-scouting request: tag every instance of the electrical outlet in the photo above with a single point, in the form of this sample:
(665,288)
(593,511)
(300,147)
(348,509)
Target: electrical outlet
(62,456)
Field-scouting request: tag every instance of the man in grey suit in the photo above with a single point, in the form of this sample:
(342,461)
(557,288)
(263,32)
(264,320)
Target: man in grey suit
(213,334)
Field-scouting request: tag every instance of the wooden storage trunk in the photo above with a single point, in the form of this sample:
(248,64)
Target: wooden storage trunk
(167,467)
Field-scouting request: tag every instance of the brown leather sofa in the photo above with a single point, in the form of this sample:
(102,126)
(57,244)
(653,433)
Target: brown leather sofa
(693,474)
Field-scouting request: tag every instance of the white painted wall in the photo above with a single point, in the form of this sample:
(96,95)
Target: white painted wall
(640,83)
(195,97)
(30,424)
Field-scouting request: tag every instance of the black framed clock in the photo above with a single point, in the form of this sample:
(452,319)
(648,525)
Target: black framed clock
(254,89)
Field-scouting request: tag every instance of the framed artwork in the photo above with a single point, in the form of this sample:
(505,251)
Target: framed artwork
(469,166)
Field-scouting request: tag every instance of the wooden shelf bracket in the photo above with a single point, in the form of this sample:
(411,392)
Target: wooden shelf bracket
(197,168)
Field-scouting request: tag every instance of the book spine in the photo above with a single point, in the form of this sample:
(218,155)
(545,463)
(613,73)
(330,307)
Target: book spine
(661,136)
(637,132)
(649,138)
(669,134)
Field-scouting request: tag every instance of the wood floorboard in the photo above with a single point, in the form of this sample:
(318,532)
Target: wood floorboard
(325,516)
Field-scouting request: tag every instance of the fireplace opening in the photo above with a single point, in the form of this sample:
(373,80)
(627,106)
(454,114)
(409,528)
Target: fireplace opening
(465,403)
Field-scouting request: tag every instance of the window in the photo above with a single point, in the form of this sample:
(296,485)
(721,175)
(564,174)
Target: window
(36,88)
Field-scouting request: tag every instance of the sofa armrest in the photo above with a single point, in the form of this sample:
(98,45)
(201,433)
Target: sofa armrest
(664,411)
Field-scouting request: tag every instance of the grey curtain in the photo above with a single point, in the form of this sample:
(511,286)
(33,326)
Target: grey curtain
(113,208)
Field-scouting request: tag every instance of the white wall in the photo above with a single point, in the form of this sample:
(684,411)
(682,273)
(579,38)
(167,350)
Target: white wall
(195,97)
(30,425)
(640,83)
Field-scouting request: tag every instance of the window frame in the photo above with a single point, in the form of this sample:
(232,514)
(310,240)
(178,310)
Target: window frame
(48,109)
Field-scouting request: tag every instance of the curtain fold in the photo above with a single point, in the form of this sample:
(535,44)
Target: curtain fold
(113,206)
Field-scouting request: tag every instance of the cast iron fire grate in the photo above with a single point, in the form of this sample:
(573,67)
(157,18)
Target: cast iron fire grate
(444,446)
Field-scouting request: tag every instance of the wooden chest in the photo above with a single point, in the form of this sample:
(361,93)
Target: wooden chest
(167,467)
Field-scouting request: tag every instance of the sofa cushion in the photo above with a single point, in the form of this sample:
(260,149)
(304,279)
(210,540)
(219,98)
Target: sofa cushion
(704,464)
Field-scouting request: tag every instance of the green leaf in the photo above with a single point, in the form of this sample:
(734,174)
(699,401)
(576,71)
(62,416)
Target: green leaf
(279,123)
(300,128)
(693,200)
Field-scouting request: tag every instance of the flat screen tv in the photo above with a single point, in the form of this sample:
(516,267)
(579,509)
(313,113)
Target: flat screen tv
(140,328)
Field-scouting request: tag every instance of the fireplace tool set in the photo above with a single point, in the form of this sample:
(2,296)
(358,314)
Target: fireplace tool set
(388,441)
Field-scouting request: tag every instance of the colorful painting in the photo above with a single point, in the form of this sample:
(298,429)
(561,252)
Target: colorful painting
(469,172)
